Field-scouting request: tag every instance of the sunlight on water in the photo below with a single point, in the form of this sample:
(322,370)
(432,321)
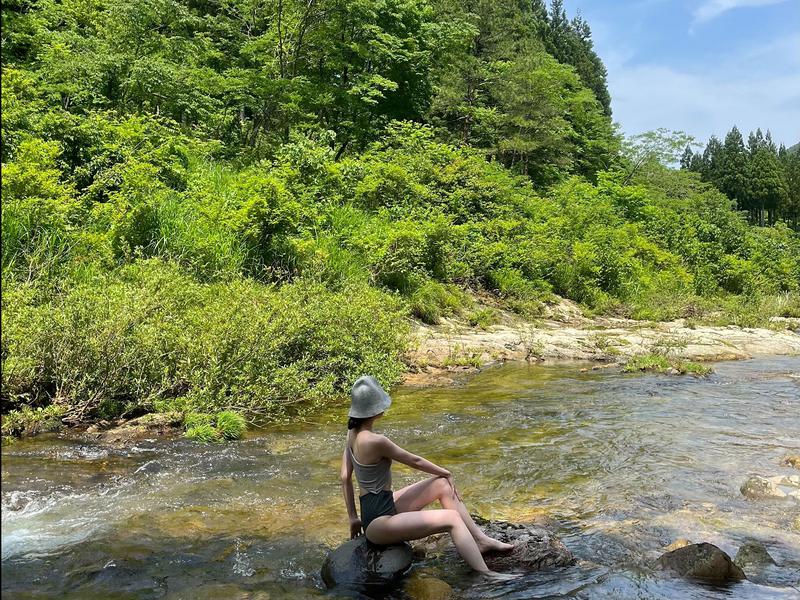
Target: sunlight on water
(625,464)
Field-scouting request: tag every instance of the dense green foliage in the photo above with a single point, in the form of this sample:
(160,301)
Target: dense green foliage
(236,205)
(761,178)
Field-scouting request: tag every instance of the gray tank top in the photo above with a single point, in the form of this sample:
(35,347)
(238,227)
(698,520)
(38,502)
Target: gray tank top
(372,478)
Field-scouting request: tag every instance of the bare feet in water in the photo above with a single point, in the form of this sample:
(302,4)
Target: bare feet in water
(492,545)
(495,576)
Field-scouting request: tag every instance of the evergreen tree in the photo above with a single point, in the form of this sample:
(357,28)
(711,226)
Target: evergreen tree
(713,160)
(696,165)
(733,179)
(686,158)
(767,188)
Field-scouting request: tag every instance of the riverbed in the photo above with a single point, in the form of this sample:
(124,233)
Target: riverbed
(624,464)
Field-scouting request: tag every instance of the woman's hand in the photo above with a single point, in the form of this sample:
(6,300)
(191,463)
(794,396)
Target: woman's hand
(355,528)
(451,481)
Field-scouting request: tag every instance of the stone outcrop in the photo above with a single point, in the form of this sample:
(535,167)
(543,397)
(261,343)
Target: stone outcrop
(702,561)
(444,352)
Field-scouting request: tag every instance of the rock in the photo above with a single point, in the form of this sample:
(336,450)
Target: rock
(153,424)
(358,562)
(760,488)
(792,460)
(679,543)
(702,561)
(423,586)
(535,548)
(753,553)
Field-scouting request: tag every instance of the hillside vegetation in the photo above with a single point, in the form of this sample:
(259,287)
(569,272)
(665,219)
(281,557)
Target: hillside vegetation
(238,204)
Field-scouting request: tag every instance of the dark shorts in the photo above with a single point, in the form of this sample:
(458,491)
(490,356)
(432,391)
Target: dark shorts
(376,505)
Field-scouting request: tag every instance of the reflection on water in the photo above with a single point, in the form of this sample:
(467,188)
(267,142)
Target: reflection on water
(625,463)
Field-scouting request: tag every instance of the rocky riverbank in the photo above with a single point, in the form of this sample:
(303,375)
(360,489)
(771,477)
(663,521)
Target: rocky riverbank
(441,353)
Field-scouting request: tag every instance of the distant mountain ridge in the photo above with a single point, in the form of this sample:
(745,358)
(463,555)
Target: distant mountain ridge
(795,148)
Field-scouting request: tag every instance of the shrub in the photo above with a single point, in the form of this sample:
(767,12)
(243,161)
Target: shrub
(149,333)
(203,433)
(483,318)
(230,425)
(193,419)
(433,300)
(30,421)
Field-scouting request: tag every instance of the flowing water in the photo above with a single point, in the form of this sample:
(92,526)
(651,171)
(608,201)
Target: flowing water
(625,463)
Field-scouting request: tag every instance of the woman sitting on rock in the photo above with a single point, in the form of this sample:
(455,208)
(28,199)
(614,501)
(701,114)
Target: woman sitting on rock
(391,517)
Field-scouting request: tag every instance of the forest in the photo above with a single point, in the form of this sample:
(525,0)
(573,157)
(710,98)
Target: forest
(241,205)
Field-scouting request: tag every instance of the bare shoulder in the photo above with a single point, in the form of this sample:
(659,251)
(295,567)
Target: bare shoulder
(372,446)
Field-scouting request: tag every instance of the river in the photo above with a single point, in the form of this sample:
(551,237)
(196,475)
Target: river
(626,463)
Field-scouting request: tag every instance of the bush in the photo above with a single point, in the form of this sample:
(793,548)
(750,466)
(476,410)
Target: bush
(433,300)
(204,433)
(149,333)
(230,425)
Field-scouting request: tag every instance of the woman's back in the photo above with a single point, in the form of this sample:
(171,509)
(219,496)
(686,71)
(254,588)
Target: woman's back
(375,473)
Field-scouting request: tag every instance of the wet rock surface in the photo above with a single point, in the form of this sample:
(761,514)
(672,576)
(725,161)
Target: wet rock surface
(358,563)
(702,561)
(535,548)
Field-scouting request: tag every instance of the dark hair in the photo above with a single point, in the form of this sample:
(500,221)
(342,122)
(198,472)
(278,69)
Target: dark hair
(355,422)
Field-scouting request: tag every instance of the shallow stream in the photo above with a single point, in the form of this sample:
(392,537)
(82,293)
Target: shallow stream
(625,463)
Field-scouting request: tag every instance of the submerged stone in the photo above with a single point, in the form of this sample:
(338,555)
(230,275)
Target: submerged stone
(753,553)
(702,561)
(358,562)
(421,585)
(679,543)
(763,488)
(792,460)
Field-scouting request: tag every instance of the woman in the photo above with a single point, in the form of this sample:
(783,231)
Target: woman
(390,517)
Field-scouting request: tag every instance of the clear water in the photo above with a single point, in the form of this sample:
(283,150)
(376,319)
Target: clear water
(625,463)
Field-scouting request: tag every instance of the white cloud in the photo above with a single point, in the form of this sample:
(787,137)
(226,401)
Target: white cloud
(755,87)
(711,9)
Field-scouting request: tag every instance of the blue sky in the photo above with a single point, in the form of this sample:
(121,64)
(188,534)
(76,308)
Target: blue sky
(700,66)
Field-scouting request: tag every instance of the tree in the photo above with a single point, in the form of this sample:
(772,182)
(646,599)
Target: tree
(686,158)
(713,160)
(659,147)
(734,169)
(767,188)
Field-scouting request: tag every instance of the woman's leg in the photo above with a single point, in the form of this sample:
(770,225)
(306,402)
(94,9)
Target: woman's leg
(419,495)
(419,524)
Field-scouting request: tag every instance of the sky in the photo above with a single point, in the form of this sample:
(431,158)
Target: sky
(700,66)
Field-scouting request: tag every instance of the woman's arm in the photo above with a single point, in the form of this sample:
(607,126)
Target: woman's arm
(395,452)
(349,496)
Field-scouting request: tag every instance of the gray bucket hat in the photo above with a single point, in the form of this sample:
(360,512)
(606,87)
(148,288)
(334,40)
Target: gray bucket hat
(368,398)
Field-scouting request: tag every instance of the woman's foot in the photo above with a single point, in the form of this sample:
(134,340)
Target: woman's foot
(495,576)
(493,545)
